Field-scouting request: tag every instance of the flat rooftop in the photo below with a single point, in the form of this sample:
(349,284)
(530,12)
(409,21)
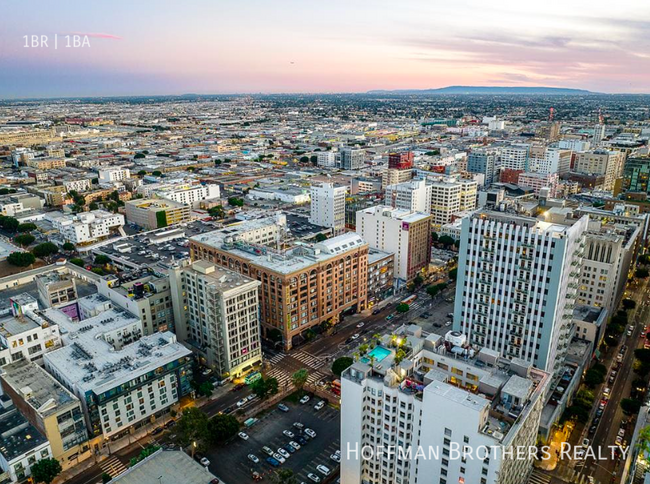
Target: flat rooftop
(17,435)
(173,465)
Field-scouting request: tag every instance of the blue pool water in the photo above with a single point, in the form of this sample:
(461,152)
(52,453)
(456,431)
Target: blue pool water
(378,353)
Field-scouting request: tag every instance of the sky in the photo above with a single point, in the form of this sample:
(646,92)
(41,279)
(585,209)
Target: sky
(156,47)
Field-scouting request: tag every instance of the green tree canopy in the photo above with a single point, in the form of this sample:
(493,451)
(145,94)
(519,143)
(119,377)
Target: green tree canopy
(446,240)
(69,246)
(641,273)
(45,470)
(45,249)
(236,201)
(24,239)
(341,364)
(9,223)
(284,476)
(402,308)
(77,261)
(630,406)
(299,378)
(217,212)
(265,387)
(221,428)
(102,260)
(21,259)
(629,304)
(192,426)
(26,227)
(453,274)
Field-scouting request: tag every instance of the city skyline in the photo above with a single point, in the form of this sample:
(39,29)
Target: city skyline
(291,47)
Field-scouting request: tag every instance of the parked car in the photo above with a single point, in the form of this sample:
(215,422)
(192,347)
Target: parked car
(283,408)
(204,461)
(311,433)
(313,477)
(272,461)
(304,399)
(376,311)
(289,448)
(284,453)
(335,457)
(288,433)
(319,405)
(267,450)
(243,435)
(295,445)
(299,425)
(242,402)
(323,470)
(279,458)
(361,324)
(585,442)
(301,439)
(253,458)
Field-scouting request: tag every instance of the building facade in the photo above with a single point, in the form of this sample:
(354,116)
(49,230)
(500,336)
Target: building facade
(328,206)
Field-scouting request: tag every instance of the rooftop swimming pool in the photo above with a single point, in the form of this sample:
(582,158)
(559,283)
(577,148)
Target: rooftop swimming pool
(378,353)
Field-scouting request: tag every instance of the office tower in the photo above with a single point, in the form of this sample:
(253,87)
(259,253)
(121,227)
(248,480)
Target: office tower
(609,251)
(514,157)
(636,174)
(413,196)
(599,134)
(407,234)
(483,161)
(400,161)
(517,280)
(414,414)
(326,159)
(352,158)
(449,196)
(49,407)
(328,206)
(302,286)
(601,162)
(555,160)
(217,311)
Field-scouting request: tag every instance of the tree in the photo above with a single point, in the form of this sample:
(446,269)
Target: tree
(265,387)
(644,259)
(9,223)
(433,290)
(206,388)
(77,261)
(144,453)
(299,378)
(629,304)
(24,239)
(453,274)
(304,159)
(142,173)
(434,236)
(192,427)
(139,156)
(221,427)
(341,364)
(275,335)
(26,227)
(284,476)
(45,470)
(446,240)
(69,246)
(418,280)
(217,212)
(98,270)
(402,308)
(641,273)
(642,354)
(313,159)
(321,237)
(156,173)
(93,206)
(630,406)
(106,478)
(236,202)
(21,259)
(102,260)
(45,249)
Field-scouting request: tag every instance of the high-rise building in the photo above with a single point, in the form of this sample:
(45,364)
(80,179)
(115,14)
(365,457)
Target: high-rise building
(599,134)
(302,286)
(328,206)
(484,162)
(537,181)
(326,159)
(449,196)
(514,157)
(414,196)
(217,312)
(555,160)
(517,282)
(410,418)
(601,162)
(406,234)
(352,158)
(393,176)
(400,161)
(637,174)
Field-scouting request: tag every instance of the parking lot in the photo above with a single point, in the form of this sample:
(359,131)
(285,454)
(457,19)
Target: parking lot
(231,463)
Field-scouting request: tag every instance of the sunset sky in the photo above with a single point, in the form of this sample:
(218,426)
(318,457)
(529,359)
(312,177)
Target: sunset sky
(141,47)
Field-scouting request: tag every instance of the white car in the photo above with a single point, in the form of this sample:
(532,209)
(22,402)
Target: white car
(319,405)
(204,462)
(279,458)
(295,445)
(288,433)
(267,451)
(323,470)
(335,457)
(313,477)
(253,458)
(299,425)
(361,324)
(243,435)
(283,453)
(621,432)
(355,336)
(311,433)
(304,399)
(242,402)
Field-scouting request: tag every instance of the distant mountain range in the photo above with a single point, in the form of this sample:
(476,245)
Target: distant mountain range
(557,91)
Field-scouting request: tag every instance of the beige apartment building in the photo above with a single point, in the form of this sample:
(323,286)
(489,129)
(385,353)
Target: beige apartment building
(156,213)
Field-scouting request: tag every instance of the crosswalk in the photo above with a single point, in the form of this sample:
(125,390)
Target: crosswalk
(277,358)
(113,467)
(311,363)
(538,477)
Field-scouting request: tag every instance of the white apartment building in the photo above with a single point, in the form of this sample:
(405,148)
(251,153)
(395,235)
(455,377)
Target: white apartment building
(415,416)
(352,158)
(122,380)
(414,196)
(555,160)
(404,233)
(601,162)
(76,184)
(449,196)
(218,316)
(574,144)
(113,174)
(326,159)
(86,227)
(537,181)
(24,333)
(514,157)
(517,282)
(328,206)
(191,194)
